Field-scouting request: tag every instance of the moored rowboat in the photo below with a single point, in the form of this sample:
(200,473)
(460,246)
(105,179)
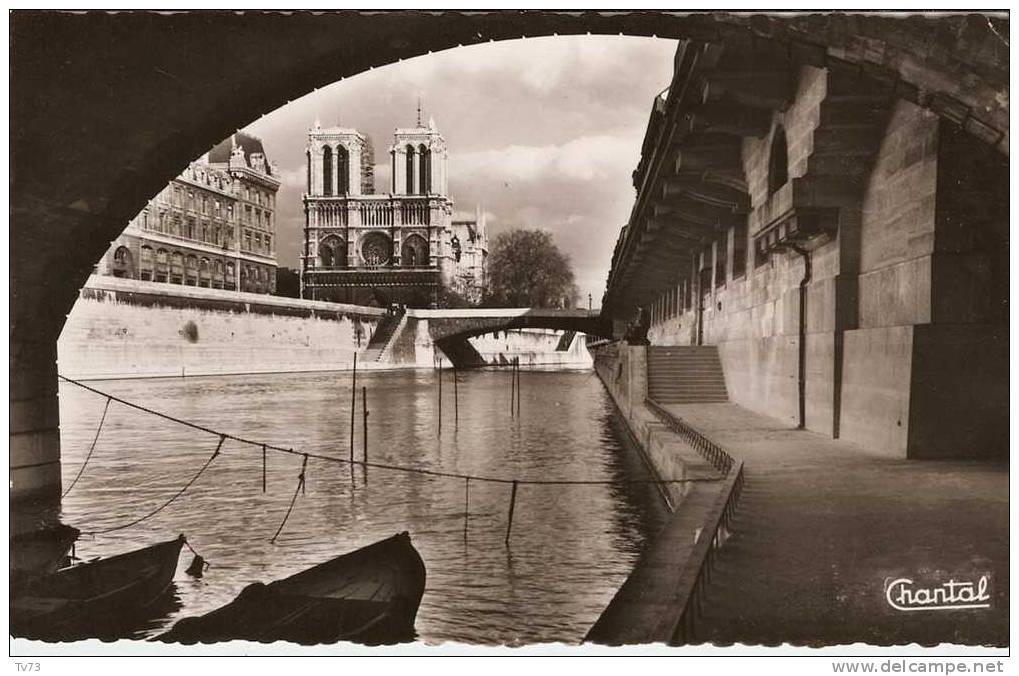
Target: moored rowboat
(83,599)
(370,595)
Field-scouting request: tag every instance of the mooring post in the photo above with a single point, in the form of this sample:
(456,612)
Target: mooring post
(456,400)
(513,504)
(513,385)
(353,407)
(364,426)
(440,398)
(467,502)
(518,387)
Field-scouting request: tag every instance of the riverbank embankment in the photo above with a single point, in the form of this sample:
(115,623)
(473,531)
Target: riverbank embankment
(823,532)
(124,328)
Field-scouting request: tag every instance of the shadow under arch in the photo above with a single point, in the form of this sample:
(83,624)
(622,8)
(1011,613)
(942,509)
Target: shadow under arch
(107,108)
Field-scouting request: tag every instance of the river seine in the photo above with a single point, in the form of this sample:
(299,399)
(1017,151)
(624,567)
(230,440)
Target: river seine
(570,548)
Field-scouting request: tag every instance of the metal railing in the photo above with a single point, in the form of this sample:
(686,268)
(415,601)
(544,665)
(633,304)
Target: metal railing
(711,451)
(717,528)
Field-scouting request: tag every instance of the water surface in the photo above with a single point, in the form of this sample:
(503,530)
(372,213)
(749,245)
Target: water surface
(570,549)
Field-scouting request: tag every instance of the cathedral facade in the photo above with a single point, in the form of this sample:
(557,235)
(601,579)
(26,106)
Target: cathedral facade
(400,246)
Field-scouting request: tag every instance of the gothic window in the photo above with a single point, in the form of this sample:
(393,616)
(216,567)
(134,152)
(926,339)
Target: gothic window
(778,162)
(376,250)
(410,170)
(342,171)
(414,252)
(424,170)
(327,171)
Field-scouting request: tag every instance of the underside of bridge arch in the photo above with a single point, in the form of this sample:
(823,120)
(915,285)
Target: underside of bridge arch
(107,108)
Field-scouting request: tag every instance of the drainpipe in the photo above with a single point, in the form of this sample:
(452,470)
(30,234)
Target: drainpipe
(802,370)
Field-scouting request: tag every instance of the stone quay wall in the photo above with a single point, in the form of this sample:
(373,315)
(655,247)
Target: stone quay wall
(122,328)
(125,328)
(905,330)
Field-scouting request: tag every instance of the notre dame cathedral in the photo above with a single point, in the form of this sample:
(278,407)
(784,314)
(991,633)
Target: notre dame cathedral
(399,246)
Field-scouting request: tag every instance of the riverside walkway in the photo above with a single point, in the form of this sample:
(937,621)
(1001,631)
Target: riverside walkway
(822,524)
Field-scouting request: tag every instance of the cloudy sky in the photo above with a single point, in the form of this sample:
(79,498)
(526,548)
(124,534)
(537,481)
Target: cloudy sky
(542,133)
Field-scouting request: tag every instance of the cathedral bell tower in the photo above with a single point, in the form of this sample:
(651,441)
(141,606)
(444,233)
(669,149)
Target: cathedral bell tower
(419,160)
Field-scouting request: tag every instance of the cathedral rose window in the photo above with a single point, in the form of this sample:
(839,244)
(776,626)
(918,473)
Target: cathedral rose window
(375,250)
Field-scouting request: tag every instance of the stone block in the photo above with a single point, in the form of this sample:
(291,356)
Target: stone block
(876,388)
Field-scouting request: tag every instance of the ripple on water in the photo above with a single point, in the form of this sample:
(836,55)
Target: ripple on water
(571,546)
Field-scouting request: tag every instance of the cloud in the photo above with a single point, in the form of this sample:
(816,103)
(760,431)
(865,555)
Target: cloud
(542,132)
(586,158)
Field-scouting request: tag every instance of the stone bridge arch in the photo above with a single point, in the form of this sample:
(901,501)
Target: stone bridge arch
(85,162)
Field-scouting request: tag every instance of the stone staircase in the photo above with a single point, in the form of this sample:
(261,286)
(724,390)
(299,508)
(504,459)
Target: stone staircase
(685,375)
(386,329)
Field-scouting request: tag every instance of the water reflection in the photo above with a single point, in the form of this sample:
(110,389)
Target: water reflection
(570,549)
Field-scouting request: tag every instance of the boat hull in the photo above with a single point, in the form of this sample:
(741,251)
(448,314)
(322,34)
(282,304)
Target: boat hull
(94,598)
(369,596)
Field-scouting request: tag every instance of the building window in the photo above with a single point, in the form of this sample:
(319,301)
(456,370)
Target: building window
(739,250)
(327,171)
(721,262)
(760,255)
(191,270)
(342,171)
(424,170)
(410,170)
(268,244)
(177,268)
(778,162)
(247,240)
(204,273)
(376,249)
(230,280)
(146,263)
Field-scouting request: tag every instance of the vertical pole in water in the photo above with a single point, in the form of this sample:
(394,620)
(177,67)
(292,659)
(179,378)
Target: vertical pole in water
(518,387)
(440,398)
(513,504)
(353,408)
(364,430)
(513,385)
(364,425)
(263,468)
(467,502)
(456,401)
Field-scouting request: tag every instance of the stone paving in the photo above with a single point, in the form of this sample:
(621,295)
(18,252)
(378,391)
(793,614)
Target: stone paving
(823,524)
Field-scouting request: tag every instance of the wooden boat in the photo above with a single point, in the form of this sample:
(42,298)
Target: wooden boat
(370,595)
(85,599)
(42,551)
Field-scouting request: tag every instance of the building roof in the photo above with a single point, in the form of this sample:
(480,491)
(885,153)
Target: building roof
(248,143)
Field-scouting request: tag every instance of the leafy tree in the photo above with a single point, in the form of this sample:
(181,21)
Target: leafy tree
(527,269)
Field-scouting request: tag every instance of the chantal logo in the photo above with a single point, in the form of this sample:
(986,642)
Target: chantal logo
(903,594)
